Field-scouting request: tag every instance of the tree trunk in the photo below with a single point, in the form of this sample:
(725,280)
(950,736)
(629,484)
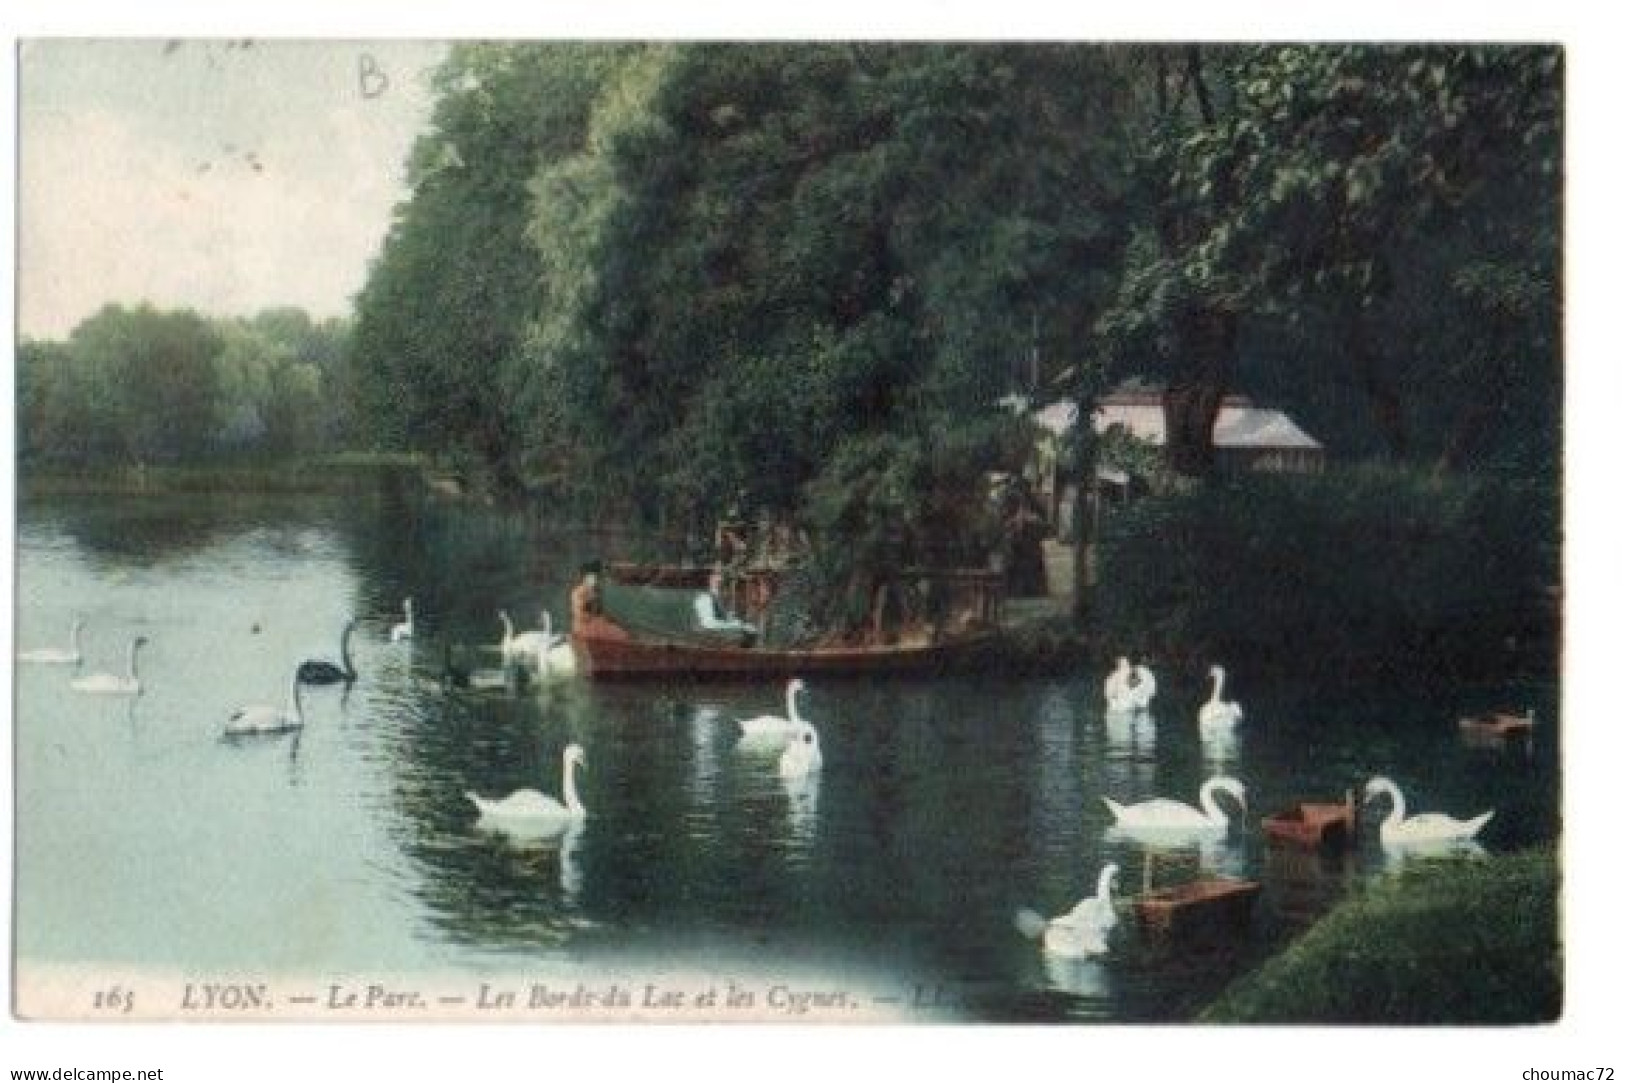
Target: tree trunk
(1191,403)
(1386,408)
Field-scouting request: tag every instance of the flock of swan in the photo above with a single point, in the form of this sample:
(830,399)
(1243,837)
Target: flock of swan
(549,653)
(1083,931)
(1079,933)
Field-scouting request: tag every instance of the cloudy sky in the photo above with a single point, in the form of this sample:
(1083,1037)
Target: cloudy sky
(221,176)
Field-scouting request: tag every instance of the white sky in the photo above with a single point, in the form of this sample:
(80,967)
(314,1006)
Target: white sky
(137,176)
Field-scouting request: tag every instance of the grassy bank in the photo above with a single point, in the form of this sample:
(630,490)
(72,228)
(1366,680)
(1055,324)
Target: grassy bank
(327,473)
(1445,942)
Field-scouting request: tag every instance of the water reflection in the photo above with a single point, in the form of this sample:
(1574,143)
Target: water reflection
(1080,977)
(943,805)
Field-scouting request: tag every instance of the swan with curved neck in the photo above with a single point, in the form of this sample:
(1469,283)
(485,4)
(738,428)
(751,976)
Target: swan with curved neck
(321,671)
(263,719)
(525,646)
(558,658)
(801,756)
(1081,931)
(405,628)
(1218,711)
(1163,814)
(1144,689)
(71,655)
(1117,687)
(532,810)
(772,725)
(1427,827)
(111,684)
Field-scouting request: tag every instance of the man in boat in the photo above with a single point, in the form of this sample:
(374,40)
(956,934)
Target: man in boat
(713,616)
(584,599)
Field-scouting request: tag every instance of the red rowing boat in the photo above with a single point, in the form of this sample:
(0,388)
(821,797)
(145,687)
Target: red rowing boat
(1218,907)
(607,650)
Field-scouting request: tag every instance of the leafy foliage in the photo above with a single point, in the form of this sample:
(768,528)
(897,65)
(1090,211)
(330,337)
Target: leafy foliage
(1370,573)
(146,386)
(1454,942)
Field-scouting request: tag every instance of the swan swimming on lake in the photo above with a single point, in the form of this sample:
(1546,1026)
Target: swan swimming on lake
(321,671)
(70,655)
(531,810)
(801,756)
(262,719)
(1218,712)
(1119,696)
(403,631)
(1428,828)
(559,660)
(1082,931)
(536,648)
(459,674)
(772,725)
(110,684)
(1161,814)
(1144,688)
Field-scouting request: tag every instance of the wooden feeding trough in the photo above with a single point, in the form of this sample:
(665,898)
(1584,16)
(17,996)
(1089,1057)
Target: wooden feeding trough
(1209,908)
(1498,725)
(1313,825)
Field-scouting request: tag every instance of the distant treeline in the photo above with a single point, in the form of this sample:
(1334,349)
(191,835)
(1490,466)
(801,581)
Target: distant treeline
(141,385)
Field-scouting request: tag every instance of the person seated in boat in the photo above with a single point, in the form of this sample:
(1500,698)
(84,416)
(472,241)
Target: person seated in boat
(713,616)
(584,597)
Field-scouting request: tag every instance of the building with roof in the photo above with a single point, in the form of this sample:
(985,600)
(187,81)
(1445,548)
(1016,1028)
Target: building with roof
(1246,437)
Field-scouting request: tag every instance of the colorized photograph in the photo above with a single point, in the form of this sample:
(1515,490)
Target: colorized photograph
(840,532)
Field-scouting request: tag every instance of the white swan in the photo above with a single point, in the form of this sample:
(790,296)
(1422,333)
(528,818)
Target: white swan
(1161,814)
(110,684)
(405,628)
(70,655)
(1144,688)
(801,756)
(259,719)
(1119,697)
(530,810)
(533,647)
(559,660)
(1218,712)
(771,725)
(1428,828)
(554,656)
(1083,930)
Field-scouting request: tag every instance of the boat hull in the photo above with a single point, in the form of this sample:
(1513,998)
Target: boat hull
(607,651)
(1214,908)
(1312,825)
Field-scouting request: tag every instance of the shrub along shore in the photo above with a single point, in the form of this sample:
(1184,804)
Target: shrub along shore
(1468,941)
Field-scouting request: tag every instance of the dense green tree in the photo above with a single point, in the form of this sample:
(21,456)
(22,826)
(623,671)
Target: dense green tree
(448,301)
(1283,180)
(764,251)
(142,385)
(157,370)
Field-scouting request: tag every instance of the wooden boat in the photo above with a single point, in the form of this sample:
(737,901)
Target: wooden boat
(622,644)
(1323,825)
(1206,908)
(1499,724)
(607,650)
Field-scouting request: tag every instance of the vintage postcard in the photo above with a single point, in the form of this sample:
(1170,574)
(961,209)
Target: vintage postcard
(829,532)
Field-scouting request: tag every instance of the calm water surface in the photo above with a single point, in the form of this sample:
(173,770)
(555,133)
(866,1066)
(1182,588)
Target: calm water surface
(944,806)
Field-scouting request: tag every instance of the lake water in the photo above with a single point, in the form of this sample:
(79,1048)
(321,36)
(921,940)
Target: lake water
(144,840)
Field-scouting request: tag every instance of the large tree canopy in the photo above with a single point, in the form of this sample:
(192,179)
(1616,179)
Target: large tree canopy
(672,275)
